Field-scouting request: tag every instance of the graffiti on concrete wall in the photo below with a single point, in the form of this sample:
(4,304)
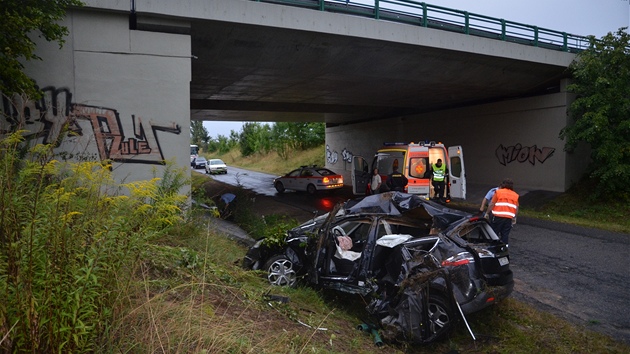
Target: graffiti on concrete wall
(331,156)
(46,119)
(519,153)
(346,155)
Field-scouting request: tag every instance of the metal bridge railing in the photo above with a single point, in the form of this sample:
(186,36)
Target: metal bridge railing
(437,17)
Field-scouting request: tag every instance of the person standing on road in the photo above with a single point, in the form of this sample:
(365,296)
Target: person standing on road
(504,207)
(486,201)
(396,181)
(438,175)
(375,184)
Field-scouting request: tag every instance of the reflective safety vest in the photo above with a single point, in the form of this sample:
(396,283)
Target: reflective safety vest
(505,203)
(438,172)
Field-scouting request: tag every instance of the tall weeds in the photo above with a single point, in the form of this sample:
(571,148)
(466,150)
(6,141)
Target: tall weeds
(70,238)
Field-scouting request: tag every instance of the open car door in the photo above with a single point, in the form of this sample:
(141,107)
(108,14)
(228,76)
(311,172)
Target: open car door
(360,175)
(457,173)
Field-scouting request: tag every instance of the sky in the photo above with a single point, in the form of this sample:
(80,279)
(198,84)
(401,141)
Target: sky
(578,17)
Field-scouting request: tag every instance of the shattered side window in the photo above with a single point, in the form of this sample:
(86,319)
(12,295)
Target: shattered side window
(384,228)
(414,231)
(357,229)
(361,231)
(477,233)
(415,228)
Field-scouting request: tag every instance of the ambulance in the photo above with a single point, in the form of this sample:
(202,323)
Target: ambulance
(414,160)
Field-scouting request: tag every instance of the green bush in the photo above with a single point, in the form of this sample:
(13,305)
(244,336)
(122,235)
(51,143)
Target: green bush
(70,240)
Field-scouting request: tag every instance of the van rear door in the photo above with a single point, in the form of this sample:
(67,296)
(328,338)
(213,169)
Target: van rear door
(418,171)
(457,173)
(360,175)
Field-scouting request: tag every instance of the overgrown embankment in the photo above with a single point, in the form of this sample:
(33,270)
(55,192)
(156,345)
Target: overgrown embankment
(87,268)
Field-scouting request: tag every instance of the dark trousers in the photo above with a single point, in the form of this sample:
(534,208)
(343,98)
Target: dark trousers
(438,187)
(502,227)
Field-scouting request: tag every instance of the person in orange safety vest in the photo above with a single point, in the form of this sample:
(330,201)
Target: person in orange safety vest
(504,207)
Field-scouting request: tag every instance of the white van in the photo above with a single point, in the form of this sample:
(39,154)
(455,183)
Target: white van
(414,160)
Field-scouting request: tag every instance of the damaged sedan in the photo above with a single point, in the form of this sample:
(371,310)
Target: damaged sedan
(423,266)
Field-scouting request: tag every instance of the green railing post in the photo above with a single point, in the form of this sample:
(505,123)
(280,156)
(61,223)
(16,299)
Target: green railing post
(425,23)
(321,5)
(376,14)
(503,34)
(535,36)
(565,43)
(466,23)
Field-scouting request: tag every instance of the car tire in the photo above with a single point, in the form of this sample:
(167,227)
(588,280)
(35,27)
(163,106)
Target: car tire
(280,271)
(311,189)
(441,316)
(279,187)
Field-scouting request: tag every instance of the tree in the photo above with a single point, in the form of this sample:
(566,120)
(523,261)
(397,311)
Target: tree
(288,136)
(221,144)
(255,138)
(199,134)
(601,112)
(21,20)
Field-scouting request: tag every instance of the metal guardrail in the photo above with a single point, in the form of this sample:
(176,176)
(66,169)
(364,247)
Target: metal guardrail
(437,17)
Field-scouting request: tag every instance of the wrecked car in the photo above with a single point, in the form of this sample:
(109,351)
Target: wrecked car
(423,266)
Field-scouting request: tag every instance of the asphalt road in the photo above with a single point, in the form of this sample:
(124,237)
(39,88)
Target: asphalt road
(579,274)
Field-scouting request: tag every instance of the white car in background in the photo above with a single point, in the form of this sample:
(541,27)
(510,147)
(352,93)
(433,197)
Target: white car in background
(216,166)
(310,179)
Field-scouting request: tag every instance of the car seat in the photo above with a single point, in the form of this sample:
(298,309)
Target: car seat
(344,259)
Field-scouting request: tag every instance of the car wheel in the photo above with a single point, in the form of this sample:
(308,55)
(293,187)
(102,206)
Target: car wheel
(280,187)
(311,189)
(281,271)
(441,315)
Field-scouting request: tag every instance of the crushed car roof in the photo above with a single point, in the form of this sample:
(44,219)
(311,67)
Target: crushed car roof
(398,203)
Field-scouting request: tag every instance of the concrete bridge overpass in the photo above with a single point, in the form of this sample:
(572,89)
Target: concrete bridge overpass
(133,74)
(272,62)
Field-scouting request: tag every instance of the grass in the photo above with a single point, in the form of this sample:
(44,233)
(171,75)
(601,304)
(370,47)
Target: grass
(508,327)
(606,215)
(272,163)
(194,297)
(180,288)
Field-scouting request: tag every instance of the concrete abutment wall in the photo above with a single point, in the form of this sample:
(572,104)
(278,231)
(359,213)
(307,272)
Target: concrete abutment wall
(124,93)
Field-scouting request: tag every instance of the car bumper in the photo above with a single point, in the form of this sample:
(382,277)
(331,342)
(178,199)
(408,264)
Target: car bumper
(329,186)
(490,296)
(218,170)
